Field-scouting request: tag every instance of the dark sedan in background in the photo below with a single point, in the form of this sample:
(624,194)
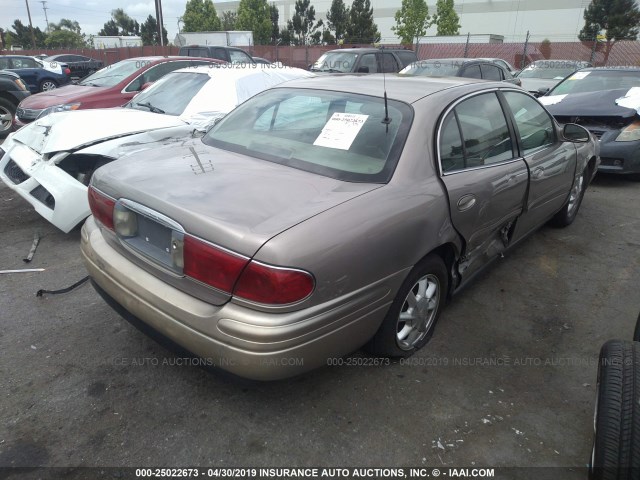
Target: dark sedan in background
(486,69)
(79,65)
(606,101)
(12,92)
(36,74)
(328,213)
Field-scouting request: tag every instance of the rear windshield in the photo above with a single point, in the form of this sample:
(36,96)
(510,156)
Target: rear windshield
(114,74)
(432,69)
(335,134)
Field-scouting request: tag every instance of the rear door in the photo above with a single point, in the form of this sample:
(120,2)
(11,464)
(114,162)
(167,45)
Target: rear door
(486,181)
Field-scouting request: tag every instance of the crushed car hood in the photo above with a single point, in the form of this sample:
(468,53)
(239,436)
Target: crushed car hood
(590,104)
(233,200)
(67,131)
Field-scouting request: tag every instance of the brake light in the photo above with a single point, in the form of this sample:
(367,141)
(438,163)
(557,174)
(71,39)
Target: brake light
(210,264)
(101,207)
(67,71)
(273,285)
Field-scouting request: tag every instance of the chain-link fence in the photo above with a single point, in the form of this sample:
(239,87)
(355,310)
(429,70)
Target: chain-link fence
(518,54)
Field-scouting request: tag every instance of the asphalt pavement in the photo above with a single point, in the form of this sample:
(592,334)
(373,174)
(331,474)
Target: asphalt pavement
(508,379)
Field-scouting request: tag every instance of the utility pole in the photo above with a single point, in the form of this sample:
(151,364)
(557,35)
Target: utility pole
(45,8)
(160,21)
(33,35)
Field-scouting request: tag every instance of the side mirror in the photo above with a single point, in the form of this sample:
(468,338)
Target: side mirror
(363,70)
(576,133)
(542,91)
(146,85)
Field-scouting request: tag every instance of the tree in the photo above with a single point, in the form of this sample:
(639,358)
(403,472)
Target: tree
(337,20)
(285,36)
(275,28)
(21,35)
(303,24)
(120,24)
(446,18)
(66,24)
(255,15)
(615,19)
(149,32)
(63,38)
(200,16)
(412,21)
(228,20)
(361,27)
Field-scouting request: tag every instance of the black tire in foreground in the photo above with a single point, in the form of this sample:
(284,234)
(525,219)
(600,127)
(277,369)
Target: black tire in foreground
(616,448)
(7,111)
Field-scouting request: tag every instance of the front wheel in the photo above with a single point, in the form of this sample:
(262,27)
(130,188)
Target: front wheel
(567,215)
(47,85)
(411,319)
(7,111)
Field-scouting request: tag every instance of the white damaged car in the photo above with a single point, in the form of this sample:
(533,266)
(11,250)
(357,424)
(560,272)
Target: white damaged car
(50,161)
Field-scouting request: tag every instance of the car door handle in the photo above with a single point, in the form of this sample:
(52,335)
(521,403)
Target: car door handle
(538,172)
(466,202)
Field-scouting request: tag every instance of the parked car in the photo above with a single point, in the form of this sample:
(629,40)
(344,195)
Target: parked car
(329,213)
(39,76)
(504,64)
(542,75)
(12,91)
(605,100)
(220,52)
(261,60)
(460,67)
(363,60)
(113,86)
(80,65)
(51,169)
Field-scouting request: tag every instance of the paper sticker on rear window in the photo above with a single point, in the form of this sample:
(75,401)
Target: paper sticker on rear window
(579,75)
(341,130)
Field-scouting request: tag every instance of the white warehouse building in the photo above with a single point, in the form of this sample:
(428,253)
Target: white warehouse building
(557,20)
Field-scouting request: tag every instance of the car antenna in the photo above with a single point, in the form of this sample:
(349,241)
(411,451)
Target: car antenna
(386,120)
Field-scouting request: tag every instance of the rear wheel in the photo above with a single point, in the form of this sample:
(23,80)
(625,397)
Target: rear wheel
(411,319)
(616,446)
(47,85)
(567,215)
(7,111)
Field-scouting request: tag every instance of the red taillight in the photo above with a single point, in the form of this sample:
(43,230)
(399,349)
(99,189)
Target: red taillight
(67,71)
(101,207)
(211,265)
(273,285)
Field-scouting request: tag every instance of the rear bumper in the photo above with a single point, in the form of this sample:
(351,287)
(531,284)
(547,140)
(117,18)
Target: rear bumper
(246,342)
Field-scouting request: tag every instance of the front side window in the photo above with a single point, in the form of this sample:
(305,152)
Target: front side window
(491,72)
(482,136)
(368,63)
(335,134)
(534,124)
(389,63)
(237,56)
(472,71)
(155,73)
(113,74)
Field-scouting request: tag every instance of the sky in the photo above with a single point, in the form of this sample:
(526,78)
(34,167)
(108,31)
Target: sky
(90,14)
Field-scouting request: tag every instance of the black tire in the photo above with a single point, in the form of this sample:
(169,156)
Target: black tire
(616,446)
(7,112)
(568,213)
(636,331)
(48,84)
(430,273)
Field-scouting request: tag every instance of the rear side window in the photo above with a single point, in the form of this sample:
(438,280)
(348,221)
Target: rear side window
(475,134)
(236,56)
(472,71)
(368,63)
(155,73)
(491,72)
(406,57)
(389,63)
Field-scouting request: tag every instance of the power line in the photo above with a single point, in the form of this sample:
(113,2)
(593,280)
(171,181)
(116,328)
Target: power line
(45,8)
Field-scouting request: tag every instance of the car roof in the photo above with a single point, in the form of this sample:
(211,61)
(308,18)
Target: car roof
(367,50)
(404,88)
